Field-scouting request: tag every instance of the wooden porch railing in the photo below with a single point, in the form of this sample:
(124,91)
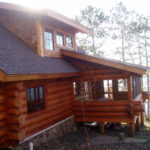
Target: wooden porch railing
(107,111)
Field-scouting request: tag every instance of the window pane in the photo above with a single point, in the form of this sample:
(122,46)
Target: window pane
(69,42)
(41,96)
(48,40)
(32,94)
(28,94)
(35,99)
(60,39)
(37,93)
(122,85)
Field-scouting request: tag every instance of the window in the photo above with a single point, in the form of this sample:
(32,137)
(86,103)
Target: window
(81,90)
(69,41)
(35,99)
(60,39)
(122,85)
(108,90)
(48,40)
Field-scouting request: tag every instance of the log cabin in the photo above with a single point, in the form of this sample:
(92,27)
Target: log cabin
(45,79)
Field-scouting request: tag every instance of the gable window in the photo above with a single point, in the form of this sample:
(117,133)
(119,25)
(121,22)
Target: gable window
(35,99)
(69,41)
(48,40)
(60,39)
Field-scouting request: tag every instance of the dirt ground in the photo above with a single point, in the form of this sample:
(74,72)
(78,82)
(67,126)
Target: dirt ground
(88,138)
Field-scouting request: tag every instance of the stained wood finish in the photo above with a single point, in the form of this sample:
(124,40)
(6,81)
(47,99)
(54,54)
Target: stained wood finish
(16,123)
(108,111)
(39,35)
(10,78)
(105,62)
(3,114)
(58,98)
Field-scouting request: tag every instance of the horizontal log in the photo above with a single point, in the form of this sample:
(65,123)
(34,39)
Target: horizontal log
(104,103)
(14,93)
(46,116)
(2,131)
(3,108)
(14,111)
(31,132)
(15,102)
(48,121)
(16,85)
(51,109)
(59,100)
(2,124)
(97,114)
(2,99)
(17,119)
(58,88)
(101,109)
(105,119)
(57,84)
(108,109)
(59,95)
(3,115)
(16,136)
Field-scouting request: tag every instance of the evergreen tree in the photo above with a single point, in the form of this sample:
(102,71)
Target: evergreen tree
(95,19)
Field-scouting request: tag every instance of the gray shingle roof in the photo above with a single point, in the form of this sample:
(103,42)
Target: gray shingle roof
(17,58)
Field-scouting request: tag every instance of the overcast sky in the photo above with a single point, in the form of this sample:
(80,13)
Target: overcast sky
(72,8)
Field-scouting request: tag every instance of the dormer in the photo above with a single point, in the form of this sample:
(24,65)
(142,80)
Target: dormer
(45,31)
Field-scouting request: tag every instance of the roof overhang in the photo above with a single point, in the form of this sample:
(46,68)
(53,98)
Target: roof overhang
(10,78)
(48,13)
(106,62)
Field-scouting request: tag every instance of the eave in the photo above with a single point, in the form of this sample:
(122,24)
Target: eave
(11,78)
(105,62)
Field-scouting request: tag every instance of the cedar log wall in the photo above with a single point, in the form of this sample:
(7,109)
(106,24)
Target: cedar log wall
(16,124)
(2,114)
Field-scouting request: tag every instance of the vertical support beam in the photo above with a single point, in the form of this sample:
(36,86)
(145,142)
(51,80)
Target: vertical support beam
(142,119)
(74,42)
(101,127)
(131,129)
(39,36)
(138,124)
(129,88)
(90,91)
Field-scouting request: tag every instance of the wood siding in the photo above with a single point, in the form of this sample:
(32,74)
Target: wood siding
(108,111)
(58,99)
(2,114)
(16,123)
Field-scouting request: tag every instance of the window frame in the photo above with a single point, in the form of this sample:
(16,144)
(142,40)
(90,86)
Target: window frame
(72,41)
(43,106)
(63,38)
(53,36)
(126,88)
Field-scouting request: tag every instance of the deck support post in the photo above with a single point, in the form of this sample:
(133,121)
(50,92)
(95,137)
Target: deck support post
(129,89)
(132,129)
(142,119)
(138,124)
(101,127)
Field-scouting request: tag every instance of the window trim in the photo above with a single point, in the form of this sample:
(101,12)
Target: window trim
(63,38)
(44,99)
(53,39)
(72,40)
